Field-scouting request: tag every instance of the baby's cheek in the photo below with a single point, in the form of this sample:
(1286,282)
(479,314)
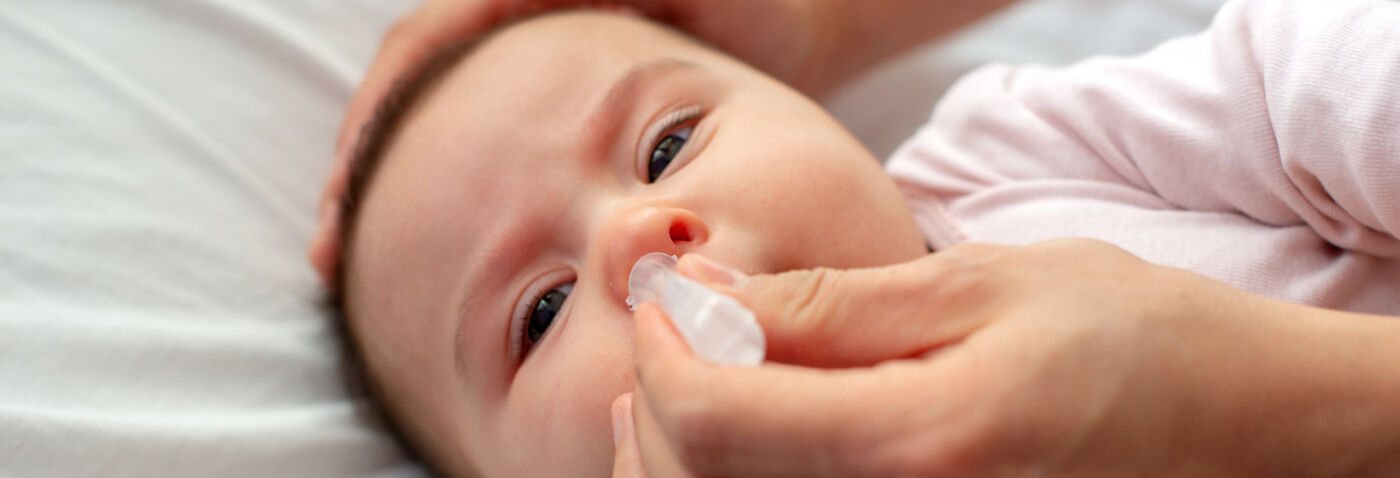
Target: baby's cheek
(569,401)
(600,366)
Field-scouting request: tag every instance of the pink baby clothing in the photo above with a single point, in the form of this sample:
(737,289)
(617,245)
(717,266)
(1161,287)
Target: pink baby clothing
(1264,153)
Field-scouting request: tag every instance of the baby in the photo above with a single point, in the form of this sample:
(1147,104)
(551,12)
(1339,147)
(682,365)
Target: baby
(492,229)
(499,201)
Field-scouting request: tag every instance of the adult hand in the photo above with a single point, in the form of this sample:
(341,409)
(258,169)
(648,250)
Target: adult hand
(1064,358)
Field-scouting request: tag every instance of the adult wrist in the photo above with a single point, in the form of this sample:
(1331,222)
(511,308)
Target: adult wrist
(1309,392)
(1354,425)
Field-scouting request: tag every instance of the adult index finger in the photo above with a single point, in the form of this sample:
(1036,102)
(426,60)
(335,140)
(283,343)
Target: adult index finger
(779,420)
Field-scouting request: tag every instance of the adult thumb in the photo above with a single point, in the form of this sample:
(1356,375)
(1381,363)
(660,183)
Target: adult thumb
(846,318)
(627,457)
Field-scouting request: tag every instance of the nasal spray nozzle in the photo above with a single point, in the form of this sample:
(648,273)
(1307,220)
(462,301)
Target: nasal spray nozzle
(717,327)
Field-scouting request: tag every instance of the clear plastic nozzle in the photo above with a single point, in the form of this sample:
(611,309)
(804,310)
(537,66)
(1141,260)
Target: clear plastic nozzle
(716,326)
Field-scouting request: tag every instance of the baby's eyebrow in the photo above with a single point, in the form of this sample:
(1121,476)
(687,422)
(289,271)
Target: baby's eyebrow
(627,84)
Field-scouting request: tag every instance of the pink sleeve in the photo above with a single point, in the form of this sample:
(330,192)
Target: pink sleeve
(1286,112)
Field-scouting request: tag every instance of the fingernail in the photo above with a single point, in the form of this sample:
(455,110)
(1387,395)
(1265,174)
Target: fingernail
(619,417)
(716,273)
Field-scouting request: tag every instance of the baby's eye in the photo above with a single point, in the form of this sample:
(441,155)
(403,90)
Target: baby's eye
(666,150)
(541,316)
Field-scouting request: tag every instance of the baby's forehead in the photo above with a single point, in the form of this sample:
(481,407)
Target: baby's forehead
(579,37)
(548,68)
(545,75)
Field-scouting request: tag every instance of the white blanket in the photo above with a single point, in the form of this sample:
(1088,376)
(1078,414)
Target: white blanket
(159,164)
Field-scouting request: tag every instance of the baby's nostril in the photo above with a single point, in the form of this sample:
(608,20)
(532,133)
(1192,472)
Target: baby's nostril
(679,233)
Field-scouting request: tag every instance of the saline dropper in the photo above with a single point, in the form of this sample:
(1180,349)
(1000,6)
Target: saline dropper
(717,327)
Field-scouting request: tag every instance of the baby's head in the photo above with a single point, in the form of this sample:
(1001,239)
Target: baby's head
(489,233)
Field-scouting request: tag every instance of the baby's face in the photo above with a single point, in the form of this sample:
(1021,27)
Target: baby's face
(490,263)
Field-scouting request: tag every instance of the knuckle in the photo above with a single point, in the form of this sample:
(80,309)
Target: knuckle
(967,271)
(811,296)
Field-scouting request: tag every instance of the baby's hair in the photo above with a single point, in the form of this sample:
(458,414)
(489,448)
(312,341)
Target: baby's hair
(379,132)
(368,155)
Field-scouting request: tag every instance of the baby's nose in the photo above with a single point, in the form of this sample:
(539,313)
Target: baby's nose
(632,234)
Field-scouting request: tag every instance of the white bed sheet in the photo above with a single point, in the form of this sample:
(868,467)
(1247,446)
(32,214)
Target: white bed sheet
(159,164)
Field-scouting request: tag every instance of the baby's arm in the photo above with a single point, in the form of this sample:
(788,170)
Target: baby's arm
(1285,111)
